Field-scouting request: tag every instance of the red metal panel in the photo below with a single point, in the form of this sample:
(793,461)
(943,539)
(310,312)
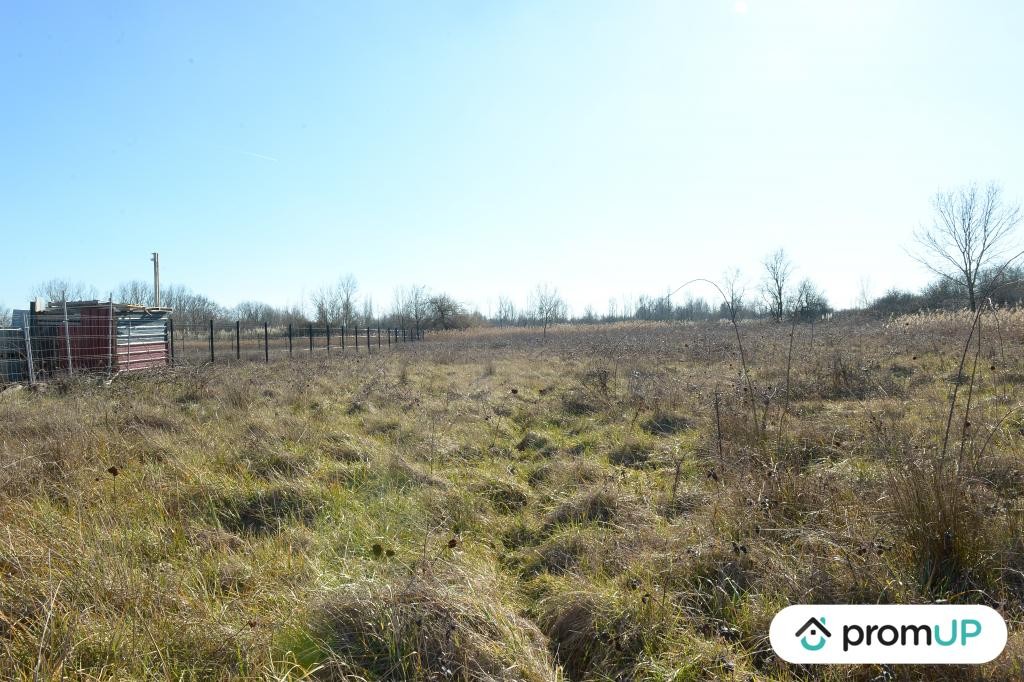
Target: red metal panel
(94,341)
(141,356)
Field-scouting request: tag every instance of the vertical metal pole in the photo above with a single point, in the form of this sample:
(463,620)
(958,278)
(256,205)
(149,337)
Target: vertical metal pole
(389,337)
(378,338)
(310,338)
(238,340)
(67,337)
(289,339)
(266,343)
(211,340)
(28,356)
(33,332)
(156,279)
(170,324)
(110,338)
(367,340)
(355,335)
(342,337)
(328,338)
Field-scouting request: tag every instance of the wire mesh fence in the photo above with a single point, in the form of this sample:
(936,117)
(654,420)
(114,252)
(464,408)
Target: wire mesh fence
(101,338)
(239,341)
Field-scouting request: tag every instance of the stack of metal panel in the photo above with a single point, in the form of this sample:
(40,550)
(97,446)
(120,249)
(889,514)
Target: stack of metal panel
(142,339)
(85,336)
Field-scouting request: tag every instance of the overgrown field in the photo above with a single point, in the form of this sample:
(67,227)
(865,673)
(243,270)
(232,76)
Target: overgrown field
(611,503)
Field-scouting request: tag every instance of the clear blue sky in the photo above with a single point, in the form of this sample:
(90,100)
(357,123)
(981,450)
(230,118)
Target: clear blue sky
(608,148)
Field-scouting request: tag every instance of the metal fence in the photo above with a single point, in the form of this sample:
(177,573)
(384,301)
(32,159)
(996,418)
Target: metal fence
(124,343)
(238,341)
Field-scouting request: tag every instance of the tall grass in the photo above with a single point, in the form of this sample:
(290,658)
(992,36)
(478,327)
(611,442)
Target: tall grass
(601,505)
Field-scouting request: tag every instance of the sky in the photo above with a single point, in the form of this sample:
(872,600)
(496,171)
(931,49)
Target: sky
(610,149)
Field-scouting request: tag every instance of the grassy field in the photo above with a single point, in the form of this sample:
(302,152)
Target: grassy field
(611,503)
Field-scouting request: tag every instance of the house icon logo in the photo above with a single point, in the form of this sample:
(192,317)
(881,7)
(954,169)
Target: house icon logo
(817,629)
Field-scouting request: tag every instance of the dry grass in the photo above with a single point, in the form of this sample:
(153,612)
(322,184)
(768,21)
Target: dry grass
(616,502)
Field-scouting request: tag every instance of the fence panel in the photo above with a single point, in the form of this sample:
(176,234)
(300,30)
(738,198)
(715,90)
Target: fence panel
(109,341)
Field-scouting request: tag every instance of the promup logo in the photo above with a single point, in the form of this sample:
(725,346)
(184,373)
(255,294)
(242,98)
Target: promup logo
(930,633)
(817,628)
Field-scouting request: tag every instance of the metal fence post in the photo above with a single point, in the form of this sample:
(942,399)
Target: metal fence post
(110,338)
(342,337)
(389,338)
(170,325)
(310,338)
(367,340)
(266,343)
(238,340)
(378,338)
(67,337)
(328,338)
(211,340)
(28,356)
(289,339)
(355,335)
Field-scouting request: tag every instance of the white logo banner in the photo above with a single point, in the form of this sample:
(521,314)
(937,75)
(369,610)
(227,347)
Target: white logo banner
(867,633)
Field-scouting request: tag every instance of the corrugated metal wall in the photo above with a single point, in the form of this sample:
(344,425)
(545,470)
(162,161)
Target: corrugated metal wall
(142,340)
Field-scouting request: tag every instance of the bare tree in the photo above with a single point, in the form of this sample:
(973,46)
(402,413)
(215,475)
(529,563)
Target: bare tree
(252,312)
(400,308)
(547,306)
(864,297)
(347,288)
(506,311)
(971,231)
(189,308)
(327,306)
(446,312)
(5,316)
(628,307)
(368,318)
(733,290)
(135,292)
(336,304)
(810,303)
(61,290)
(775,285)
(419,308)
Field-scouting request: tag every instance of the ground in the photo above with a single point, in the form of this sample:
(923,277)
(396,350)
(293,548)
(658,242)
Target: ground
(609,503)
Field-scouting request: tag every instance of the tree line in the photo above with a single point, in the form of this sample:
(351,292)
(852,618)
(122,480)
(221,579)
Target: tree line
(969,247)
